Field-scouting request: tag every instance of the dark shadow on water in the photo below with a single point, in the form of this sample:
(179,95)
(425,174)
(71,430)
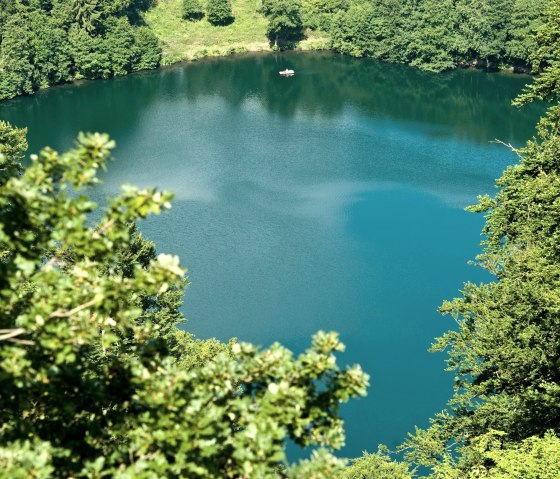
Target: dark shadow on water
(471,103)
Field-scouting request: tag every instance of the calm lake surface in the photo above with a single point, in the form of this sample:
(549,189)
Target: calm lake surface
(330,200)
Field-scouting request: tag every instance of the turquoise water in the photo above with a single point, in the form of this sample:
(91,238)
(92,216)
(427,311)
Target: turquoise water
(330,200)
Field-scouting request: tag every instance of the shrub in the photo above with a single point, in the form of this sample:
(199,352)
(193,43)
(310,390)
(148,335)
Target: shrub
(218,12)
(192,10)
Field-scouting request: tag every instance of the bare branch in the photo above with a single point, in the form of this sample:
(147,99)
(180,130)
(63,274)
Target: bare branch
(24,342)
(6,334)
(72,312)
(507,145)
(102,229)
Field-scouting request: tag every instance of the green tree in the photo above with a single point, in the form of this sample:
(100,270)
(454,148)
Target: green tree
(192,10)
(436,35)
(526,18)
(218,12)
(354,31)
(93,369)
(43,43)
(319,13)
(148,50)
(373,29)
(532,458)
(483,26)
(432,37)
(12,146)
(119,42)
(132,9)
(545,59)
(34,54)
(91,60)
(86,14)
(284,20)
(376,466)
(51,57)
(7,8)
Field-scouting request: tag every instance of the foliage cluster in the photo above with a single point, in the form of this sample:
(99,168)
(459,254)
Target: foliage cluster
(48,42)
(218,12)
(96,378)
(546,60)
(12,145)
(439,34)
(376,466)
(284,20)
(192,10)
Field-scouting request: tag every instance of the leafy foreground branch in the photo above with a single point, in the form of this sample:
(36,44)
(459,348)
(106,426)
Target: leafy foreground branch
(99,382)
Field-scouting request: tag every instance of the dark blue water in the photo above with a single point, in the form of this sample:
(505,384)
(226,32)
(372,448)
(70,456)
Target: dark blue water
(330,200)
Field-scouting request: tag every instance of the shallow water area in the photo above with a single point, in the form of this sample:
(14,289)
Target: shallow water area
(332,199)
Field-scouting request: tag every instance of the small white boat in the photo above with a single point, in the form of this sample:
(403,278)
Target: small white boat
(287,72)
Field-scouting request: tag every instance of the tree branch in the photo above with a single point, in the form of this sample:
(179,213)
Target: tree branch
(77,309)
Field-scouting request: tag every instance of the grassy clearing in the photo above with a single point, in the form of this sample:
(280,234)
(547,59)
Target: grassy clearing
(185,40)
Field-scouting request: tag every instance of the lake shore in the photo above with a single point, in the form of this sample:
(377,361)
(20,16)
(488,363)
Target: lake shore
(185,41)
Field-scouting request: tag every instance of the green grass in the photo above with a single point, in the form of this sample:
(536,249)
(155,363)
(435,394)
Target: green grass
(186,40)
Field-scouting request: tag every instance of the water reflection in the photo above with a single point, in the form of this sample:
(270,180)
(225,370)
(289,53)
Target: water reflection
(226,147)
(471,103)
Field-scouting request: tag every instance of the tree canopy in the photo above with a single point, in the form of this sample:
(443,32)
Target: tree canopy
(437,35)
(218,12)
(192,10)
(46,43)
(97,380)
(284,20)
(546,60)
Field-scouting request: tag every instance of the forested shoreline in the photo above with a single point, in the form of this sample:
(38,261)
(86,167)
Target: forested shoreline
(52,42)
(48,42)
(96,380)
(438,35)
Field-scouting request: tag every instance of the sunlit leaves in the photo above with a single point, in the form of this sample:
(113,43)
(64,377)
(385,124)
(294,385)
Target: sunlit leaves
(93,367)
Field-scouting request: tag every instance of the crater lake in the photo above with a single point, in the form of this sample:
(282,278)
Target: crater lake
(333,200)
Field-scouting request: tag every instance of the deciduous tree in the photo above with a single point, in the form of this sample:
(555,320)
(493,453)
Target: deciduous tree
(284,20)
(192,10)
(218,12)
(97,381)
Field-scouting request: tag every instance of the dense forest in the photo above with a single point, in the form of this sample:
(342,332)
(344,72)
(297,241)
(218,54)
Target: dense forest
(46,42)
(96,380)
(437,35)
